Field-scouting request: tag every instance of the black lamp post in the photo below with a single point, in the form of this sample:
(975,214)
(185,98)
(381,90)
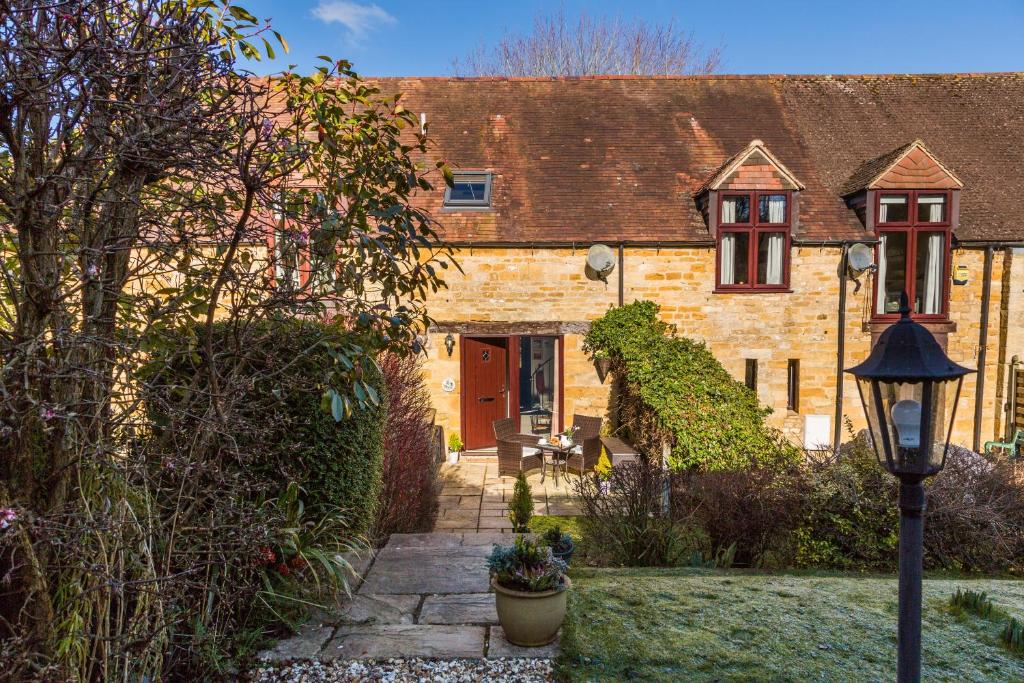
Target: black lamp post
(905,385)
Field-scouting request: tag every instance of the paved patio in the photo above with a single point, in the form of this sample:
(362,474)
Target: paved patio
(421,595)
(475,499)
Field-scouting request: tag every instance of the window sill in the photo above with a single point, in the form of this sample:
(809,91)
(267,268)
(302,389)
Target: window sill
(940,328)
(752,290)
(472,209)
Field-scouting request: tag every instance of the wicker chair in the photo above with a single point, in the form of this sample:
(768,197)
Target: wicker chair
(515,453)
(588,436)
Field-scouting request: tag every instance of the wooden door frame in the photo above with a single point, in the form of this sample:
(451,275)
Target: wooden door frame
(512,374)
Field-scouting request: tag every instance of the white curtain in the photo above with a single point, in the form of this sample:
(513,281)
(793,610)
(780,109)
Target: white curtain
(880,275)
(728,210)
(776,241)
(728,257)
(776,209)
(931,298)
(885,203)
(935,205)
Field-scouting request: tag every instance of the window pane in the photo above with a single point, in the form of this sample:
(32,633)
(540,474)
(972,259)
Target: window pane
(771,208)
(770,257)
(931,208)
(893,208)
(735,252)
(930,271)
(892,271)
(468,191)
(537,384)
(735,209)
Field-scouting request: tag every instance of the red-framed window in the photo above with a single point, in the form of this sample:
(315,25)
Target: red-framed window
(913,252)
(753,240)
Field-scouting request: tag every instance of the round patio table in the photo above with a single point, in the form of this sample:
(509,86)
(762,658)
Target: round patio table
(558,454)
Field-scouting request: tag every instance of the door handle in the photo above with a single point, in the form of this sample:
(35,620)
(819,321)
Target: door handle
(485,399)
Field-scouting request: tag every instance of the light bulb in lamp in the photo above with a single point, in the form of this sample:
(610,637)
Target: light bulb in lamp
(906,415)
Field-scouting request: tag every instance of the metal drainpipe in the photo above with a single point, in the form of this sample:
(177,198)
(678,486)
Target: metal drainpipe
(837,433)
(622,274)
(979,395)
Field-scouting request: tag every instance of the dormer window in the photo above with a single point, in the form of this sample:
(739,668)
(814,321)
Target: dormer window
(753,240)
(470,189)
(913,252)
(750,207)
(910,200)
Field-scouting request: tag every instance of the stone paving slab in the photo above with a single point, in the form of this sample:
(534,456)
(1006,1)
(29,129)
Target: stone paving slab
(500,647)
(427,571)
(469,608)
(377,609)
(306,644)
(428,540)
(413,640)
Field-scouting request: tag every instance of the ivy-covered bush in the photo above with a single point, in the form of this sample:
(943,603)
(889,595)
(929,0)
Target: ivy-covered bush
(284,429)
(672,388)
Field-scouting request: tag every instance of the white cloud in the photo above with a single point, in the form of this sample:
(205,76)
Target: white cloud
(358,19)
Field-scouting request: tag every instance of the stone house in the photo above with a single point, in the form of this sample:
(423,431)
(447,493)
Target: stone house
(776,218)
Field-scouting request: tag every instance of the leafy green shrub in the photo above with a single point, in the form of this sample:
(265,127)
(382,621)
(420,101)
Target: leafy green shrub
(974,602)
(285,425)
(556,539)
(672,388)
(850,520)
(526,566)
(520,507)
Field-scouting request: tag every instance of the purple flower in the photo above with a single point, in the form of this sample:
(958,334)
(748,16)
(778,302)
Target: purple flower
(48,413)
(7,517)
(303,237)
(266,128)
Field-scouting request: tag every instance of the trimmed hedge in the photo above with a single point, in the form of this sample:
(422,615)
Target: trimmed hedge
(673,388)
(284,433)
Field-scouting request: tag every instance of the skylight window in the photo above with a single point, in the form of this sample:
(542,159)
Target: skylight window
(470,189)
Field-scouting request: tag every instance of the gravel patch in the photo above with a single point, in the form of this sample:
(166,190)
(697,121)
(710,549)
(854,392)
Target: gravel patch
(509,670)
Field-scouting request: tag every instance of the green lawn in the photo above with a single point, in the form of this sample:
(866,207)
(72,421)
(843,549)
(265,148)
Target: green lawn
(697,625)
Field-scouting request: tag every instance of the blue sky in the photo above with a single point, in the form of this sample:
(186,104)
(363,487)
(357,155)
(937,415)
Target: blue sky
(407,38)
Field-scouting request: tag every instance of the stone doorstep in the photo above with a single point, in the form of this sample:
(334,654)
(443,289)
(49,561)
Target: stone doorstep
(500,647)
(427,540)
(406,640)
(465,608)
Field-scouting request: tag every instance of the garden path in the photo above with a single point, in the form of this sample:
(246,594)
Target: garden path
(421,595)
(474,498)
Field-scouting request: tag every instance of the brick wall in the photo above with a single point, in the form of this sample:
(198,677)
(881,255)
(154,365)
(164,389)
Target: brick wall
(529,285)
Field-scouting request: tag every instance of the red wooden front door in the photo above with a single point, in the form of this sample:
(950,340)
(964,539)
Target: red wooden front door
(485,388)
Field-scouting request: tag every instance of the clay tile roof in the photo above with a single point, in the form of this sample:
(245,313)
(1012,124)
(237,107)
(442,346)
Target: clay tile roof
(756,149)
(868,175)
(872,168)
(619,158)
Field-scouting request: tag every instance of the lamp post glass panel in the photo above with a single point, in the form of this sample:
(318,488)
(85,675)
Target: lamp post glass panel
(910,389)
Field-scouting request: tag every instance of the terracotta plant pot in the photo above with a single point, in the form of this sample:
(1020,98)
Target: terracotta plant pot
(530,619)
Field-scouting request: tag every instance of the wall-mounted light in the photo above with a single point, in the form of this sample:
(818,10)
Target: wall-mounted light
(449,344)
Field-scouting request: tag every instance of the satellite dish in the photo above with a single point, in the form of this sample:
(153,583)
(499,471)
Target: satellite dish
(600,262)
(860,257)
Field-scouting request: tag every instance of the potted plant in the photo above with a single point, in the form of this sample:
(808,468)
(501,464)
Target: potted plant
(520,507)
(560,543)
(602,363)
(530,587)
(603,471)
(454,448)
